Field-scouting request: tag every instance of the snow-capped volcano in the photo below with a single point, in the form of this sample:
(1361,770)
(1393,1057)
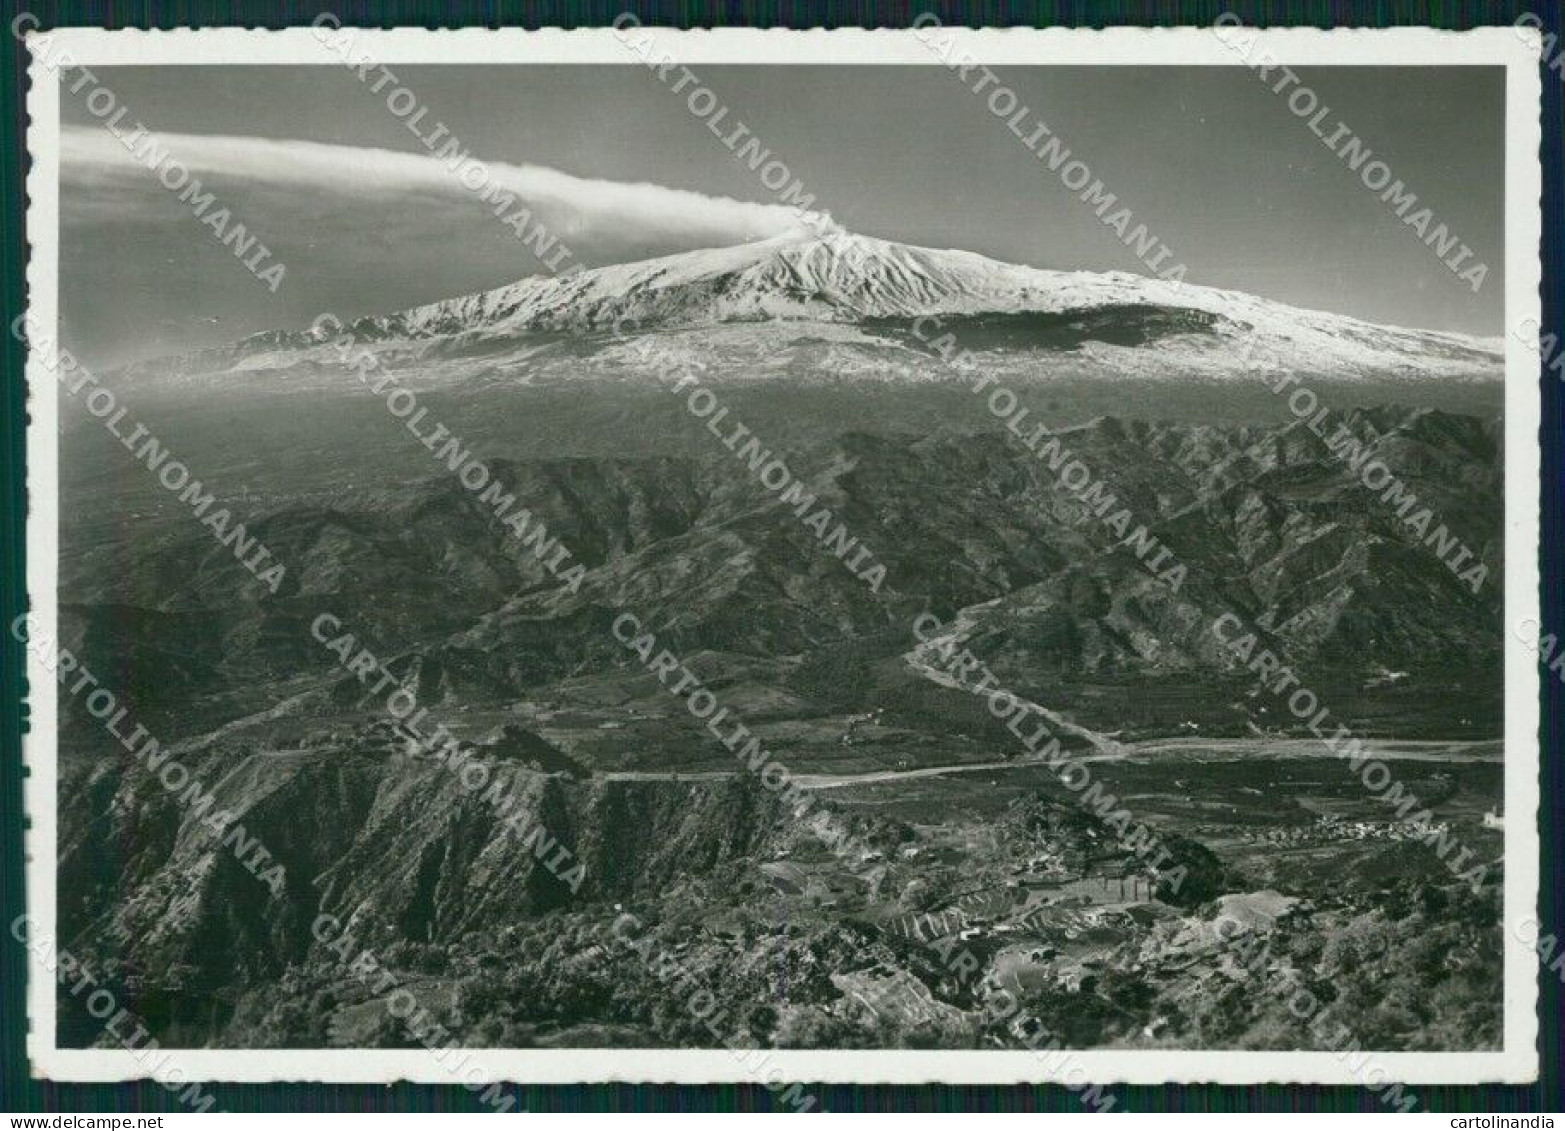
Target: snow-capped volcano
(835,278)
(795,282)
(840,306)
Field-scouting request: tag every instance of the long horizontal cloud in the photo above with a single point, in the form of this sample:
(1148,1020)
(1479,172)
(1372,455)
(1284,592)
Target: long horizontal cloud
(597,210)
(361,231)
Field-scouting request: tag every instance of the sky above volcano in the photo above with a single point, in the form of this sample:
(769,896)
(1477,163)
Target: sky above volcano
(613,162)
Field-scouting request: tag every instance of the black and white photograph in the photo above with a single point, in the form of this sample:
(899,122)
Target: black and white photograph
(769,557)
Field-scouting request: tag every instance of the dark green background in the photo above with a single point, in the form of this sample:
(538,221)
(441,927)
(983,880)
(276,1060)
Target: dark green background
(20,1093)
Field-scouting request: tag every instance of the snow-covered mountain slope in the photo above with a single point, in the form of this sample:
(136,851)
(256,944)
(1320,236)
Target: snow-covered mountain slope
(848,306)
